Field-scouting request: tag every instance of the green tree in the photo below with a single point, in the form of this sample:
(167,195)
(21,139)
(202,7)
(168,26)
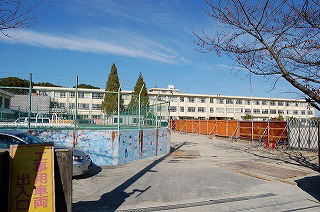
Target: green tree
(279,118)
(110,102)
(247,117)
(46,84)
(144,100)
(15,82)
(87,86)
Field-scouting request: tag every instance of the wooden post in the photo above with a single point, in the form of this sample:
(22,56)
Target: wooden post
(4,180)
(63,165)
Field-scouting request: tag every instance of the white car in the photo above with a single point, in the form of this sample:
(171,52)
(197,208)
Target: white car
(81,161)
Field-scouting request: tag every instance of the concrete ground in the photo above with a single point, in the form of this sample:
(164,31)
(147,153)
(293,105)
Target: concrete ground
(204,174)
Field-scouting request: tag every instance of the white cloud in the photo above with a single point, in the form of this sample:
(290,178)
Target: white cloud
(87,45)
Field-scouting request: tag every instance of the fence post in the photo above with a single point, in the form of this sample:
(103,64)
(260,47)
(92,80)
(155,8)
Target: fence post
(119,92)
(319,144)
(30,101)
(75,113)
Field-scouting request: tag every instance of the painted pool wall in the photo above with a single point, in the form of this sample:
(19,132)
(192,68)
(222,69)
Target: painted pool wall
(110,147)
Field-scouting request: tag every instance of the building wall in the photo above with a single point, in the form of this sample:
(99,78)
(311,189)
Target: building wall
(195,105)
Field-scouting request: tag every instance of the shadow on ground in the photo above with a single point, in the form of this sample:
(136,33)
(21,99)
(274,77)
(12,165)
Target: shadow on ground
(112,200)
(92,172)
(311,185)
(288,156)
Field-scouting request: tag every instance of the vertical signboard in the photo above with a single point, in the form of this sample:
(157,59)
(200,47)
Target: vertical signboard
(32,178)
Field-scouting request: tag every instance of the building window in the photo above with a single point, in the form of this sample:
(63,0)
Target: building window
(263,102)
(1,99)
(238,110)
(181,109)
(202,100)
(247,111)
(288,103)
(43,93)
(100,96)
(220,101)
(202,118)
(191,109)
(295,112)
(6,103)
(83,106)
(181,99)
(161,98)
(280,112)
(256,111)
(272,103)
(296,104)
(280,103)
(256,102)
(303,112)
(161,108)
(82,95)
(96,106)
(288,112)
(273,111)
(220,110)
(229,101)
(239,101)
(191,99)
(96,116)
(61,105)
(173,109)
(310,112)
(62,95)
(211,100)
(248,102)
(265,111)
(72,94)
(211,109)
(201,109)
(173,99)
(115,120)
(230,110)
(303,104)
(71,105)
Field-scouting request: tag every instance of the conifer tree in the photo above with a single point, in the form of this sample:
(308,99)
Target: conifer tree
(110,101)
(134,102)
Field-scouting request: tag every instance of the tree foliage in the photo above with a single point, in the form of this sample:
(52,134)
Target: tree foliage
(110,102)
(46,84)
(272,38)
(247,117)
(16,14)
(14,82)
(87,86)
(144,99)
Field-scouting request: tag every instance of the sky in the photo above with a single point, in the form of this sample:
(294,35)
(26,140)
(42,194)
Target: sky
(85,38)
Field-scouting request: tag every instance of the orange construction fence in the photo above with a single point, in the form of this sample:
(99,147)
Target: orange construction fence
(273,131)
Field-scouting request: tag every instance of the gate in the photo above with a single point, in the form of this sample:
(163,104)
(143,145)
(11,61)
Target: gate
(303,135)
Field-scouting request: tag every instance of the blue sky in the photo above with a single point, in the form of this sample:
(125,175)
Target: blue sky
(84,38)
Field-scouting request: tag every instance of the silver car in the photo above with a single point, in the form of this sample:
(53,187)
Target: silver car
(81,161)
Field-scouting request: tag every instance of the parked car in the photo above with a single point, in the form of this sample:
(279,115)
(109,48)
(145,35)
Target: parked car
(81,161)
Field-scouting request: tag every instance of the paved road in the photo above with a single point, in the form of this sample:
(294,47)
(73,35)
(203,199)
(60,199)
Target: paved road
(202,175)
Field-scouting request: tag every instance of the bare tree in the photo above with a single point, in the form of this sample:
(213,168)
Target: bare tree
(17,14)
(273,38)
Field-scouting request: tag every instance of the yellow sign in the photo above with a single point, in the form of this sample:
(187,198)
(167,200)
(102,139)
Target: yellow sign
(32,178)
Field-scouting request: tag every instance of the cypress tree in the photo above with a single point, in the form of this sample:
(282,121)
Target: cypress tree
(134,102)
(110,102)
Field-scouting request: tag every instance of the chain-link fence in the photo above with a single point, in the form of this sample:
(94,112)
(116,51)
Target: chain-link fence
(76,107)
(303,134)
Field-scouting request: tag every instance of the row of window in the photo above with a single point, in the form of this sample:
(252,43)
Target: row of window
(4,102)
(81,106)
(237,101)
(83,95)
(240,110)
